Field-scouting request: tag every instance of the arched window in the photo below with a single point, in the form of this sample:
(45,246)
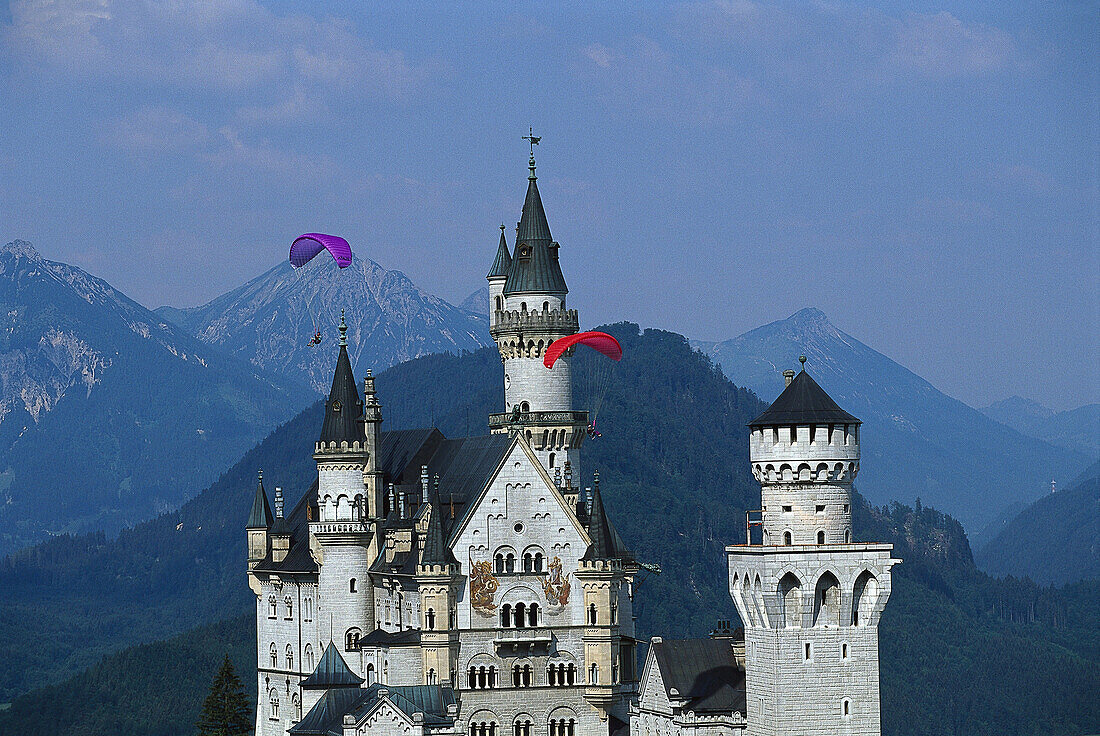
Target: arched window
(307,609)
(499,562)
(523,306)
(551,459)
(528,562)
(506,615)
(520,612)
(594,674)
(614,612)
(591,614)
(297,706)
(431,676)
(538,562)
(790,590)
(846,708)
(274,652)
(351,585)
(522,726)
(429,618)
(289,602)
(821,537)
(552,675)
(847,536)
(370,674)
(471,682)
(864,596)
(527,675)
(351,640)
(272,607)
(525,407)
(500,303)
(482,677)
(571,674)
(492,676)
(510,563)
(310,664)
(827,601)
(274,701)
(533,615)
(516,676)
(787,539)
(289,658)
(546,306)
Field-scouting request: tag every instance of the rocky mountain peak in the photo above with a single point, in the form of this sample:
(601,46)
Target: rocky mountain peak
(21,248)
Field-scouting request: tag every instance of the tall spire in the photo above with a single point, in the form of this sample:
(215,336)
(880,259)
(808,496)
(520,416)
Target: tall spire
(503,262)
(606,543)
(343,407)
(534,266)
(260,515)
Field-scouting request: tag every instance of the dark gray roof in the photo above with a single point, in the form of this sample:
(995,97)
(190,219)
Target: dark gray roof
(803,403)
(260,515)
(326,717)
(344,407)
(503,261)
(435,551)
(535,267)
(703,671)
(606,543)
(331,672)
(298,558)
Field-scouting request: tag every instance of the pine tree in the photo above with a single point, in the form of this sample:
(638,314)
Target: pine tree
(225,712)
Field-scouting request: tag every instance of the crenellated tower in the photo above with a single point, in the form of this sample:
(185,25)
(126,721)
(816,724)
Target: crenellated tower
(528,311)
(346,532)
(809,597)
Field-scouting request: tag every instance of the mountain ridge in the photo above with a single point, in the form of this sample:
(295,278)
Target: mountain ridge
(958,459)
(270,319)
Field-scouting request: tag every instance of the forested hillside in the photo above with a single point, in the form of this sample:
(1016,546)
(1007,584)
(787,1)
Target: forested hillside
(984,656)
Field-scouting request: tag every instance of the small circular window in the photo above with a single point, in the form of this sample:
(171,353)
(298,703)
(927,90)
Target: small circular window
(518,527)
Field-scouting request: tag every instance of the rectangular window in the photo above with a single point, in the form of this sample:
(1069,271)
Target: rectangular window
(787,509)
(844,651)
(846,507)
(808,652)
(820,508)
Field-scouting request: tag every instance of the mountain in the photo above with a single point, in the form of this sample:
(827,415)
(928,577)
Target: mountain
(477,302)
(674,444)
(916,441)
(269,320)
(1054,541)
(1077,429)
(109,415)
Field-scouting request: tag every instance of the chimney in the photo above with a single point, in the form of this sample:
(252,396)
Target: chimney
(788,376)
(278,502)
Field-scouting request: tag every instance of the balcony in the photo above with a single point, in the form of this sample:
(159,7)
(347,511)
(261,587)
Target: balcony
(537,419)
(347,526)
(515,639)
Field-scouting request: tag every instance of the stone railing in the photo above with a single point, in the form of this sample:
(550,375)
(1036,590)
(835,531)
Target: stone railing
(536,418)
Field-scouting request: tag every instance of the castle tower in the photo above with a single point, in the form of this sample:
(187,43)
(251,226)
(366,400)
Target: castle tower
(809,597)
(605,575)
(439,584)
(527,312)
(259,523)
(349,509)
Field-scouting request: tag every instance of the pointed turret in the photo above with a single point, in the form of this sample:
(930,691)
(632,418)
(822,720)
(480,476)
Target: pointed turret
(606,543)
(503,261)
(260,515)
(434,550)
(535,268)
(343,408)
(332,671)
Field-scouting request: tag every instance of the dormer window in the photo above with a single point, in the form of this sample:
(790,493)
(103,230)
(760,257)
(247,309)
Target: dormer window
(336,405)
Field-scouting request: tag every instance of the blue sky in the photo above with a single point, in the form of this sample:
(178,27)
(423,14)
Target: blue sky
(927,174)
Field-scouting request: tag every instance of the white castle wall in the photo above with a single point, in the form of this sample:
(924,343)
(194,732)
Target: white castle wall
(527,379)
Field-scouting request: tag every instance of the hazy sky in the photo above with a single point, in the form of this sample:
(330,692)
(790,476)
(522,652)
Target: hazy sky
(927,174)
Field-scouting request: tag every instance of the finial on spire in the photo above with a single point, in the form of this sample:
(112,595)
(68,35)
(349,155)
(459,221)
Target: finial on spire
(502,228)
(534,141)
(343,330)
(802,360)
(260,473)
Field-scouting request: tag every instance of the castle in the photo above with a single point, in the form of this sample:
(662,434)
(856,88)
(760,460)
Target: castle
(434,585)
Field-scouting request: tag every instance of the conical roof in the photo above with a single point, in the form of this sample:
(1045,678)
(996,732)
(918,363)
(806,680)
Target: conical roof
(260,515)
(332,671)
(606,543)
(344,407)
(503,262)
(435,550)
(803,403)
(534,266)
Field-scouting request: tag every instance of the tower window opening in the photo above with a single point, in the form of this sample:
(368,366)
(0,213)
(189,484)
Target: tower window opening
(847,508)
(794,435)
(429,619)
(813,432)
(845,708)
(500,303)
(787,539)
(523,306)
(820,508)
(809,651)
(844,651)
(788,509)
(510,563)
(551,459)
(847,536)
(821,537)
(351,585)
(546,306)
(592,614)
(525,407)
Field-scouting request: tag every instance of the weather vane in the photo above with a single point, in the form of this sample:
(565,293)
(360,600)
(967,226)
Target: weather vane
(534,139)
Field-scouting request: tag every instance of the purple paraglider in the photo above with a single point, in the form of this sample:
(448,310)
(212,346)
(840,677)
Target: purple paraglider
(305,247)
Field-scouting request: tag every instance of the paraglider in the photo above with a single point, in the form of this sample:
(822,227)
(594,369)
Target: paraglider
(303,250)
(599,341)
(600,377)
(305,247)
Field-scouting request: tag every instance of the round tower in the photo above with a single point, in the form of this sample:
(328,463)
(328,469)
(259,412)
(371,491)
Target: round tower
(345,531)
(527,314)
(805,454)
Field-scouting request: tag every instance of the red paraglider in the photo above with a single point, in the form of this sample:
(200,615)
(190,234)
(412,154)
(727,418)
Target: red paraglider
(598,341)
(305,247)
